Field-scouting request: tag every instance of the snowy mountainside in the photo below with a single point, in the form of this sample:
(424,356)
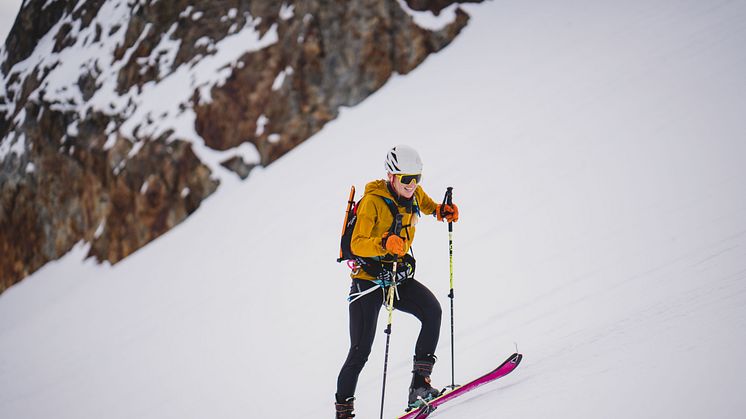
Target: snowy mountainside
(117,118)
(596,154)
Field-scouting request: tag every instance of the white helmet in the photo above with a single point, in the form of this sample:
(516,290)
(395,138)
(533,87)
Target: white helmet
(403,159)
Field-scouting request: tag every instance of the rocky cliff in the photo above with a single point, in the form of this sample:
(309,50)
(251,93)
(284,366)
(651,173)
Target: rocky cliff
(118,117)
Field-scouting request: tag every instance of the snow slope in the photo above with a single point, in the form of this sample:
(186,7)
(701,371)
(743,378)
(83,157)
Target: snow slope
(596,149)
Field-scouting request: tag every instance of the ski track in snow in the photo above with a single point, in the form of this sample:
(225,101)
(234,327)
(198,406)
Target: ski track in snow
(596,153)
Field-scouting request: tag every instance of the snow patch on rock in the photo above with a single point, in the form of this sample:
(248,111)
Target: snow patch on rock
(428,20)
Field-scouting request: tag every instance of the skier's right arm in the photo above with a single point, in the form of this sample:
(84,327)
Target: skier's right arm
(365,242)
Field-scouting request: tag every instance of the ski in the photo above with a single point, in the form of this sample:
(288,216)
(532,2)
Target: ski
(504,369)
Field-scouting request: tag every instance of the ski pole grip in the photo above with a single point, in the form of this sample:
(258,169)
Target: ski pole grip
(448,199)
(397,226)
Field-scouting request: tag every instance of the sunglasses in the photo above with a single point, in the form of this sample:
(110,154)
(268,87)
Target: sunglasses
(407,179)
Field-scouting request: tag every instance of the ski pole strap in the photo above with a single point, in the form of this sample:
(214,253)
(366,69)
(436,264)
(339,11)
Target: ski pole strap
(447,199)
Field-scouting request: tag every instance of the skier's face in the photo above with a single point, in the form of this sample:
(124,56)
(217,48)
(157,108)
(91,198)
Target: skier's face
(405,191)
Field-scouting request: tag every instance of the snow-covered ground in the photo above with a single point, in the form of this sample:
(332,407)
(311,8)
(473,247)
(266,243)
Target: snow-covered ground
(597,154)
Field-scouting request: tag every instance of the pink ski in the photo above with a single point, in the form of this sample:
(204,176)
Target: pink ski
(504,369)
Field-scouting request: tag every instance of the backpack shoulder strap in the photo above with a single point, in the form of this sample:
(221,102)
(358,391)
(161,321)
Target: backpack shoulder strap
(392,206)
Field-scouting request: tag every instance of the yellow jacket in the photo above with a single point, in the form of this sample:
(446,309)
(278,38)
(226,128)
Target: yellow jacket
(374,219)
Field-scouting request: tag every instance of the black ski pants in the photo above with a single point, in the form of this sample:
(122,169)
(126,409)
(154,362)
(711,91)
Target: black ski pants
(414,298)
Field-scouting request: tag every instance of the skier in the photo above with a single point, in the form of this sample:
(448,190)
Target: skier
(376,250)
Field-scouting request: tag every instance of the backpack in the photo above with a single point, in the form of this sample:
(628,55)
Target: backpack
(372,266)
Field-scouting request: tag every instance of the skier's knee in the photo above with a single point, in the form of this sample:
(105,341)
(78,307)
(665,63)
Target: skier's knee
(434,314)
(437,311)
(357,357)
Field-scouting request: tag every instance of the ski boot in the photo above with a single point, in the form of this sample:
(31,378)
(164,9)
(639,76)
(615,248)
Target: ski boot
(420,389)
(344,408)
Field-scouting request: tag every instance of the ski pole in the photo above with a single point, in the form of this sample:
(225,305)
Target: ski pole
(396,228)
(448,199)
(390,308)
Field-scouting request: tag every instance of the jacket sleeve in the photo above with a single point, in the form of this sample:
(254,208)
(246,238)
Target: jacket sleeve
(364,242)
(427,205)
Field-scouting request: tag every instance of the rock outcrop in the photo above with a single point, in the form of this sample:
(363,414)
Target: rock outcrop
(114,113)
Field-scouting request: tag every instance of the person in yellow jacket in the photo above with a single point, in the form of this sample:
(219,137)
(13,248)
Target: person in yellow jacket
(376,249)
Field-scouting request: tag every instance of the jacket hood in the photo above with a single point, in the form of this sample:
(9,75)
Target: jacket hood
(378,187)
